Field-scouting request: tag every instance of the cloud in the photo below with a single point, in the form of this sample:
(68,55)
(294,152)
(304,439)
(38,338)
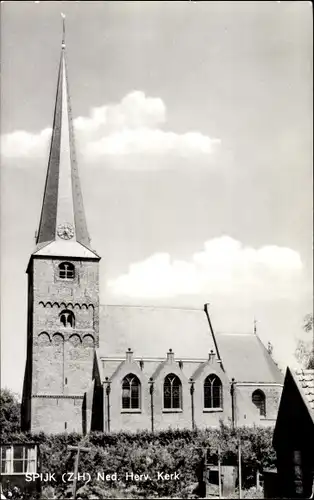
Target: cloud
(150,141)
(134,111)
(21,144)
(133,126)
(224,266)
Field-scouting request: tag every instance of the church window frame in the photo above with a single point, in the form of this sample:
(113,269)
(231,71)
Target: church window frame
(67,318)
(66,271)
(213,393)
(131,393)
(172,393)
(259,401)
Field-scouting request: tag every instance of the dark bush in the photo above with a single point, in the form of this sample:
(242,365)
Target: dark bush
(167,451)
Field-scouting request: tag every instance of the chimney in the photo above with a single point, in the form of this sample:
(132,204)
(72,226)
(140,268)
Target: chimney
(170,356)
(129,355)
(211,356)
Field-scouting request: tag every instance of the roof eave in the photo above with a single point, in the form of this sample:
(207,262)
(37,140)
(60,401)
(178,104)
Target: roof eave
(95,257)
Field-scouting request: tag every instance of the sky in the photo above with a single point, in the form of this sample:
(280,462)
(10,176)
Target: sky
(193,126)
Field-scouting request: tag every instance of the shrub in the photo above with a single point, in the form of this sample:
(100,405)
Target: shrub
(166,451)
(10,413)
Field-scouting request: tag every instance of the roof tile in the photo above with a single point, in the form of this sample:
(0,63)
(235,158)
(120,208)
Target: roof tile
(151,331)
(246,359)
(306,381)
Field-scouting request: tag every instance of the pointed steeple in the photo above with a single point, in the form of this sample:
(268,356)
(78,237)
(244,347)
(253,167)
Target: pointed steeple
(62,216)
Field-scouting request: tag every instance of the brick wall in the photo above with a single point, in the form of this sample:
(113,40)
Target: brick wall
(247,413)
(55,415)
(128,419)
(62,356)
(132,420)
(206,417)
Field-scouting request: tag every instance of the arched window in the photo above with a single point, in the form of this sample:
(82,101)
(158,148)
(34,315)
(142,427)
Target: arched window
(259,400)
(66,271)
(67,318)
(172,392)
(131,391)
(212,392)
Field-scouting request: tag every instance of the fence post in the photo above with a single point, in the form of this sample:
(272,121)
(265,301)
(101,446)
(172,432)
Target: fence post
(219,473)
(240,468)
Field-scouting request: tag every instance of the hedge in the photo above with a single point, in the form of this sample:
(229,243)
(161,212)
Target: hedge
(166,451)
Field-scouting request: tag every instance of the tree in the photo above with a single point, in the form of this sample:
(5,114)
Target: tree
(305,348)
(10,412)
(308,323)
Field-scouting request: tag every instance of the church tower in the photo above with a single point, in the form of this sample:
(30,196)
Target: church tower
(63,289)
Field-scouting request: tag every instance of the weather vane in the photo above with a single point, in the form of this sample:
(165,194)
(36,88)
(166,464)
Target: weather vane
(63,30)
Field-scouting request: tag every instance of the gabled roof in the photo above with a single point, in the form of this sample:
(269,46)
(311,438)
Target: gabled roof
(213,365)
(151,331)
(305,382)
(62,200)
(295,419)
(245,358)
(130,365)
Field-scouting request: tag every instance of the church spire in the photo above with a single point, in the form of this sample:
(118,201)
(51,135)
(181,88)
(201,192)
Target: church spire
(62,216)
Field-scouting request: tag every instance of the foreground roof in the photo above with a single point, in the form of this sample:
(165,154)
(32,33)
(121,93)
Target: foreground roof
(295,419)
(305,381)
(151,331)
(246,359)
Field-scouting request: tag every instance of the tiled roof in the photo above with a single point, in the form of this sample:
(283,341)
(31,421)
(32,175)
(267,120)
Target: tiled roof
(151,331)
(246,359)
(306,381)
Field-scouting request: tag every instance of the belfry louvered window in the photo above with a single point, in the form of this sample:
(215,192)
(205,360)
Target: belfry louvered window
(66,271)
(259,400)
(212,392)
(67,319)
(172,392)
(131,390)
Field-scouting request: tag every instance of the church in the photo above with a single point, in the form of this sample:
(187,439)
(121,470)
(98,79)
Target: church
(95,367)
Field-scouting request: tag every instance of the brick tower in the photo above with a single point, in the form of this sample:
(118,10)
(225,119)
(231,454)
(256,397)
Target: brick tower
(63,289)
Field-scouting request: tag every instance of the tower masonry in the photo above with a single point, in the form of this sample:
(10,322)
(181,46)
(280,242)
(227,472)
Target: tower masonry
(63,289)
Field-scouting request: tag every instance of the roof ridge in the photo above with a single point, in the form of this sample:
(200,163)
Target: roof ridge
(139,306)
(248,334)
